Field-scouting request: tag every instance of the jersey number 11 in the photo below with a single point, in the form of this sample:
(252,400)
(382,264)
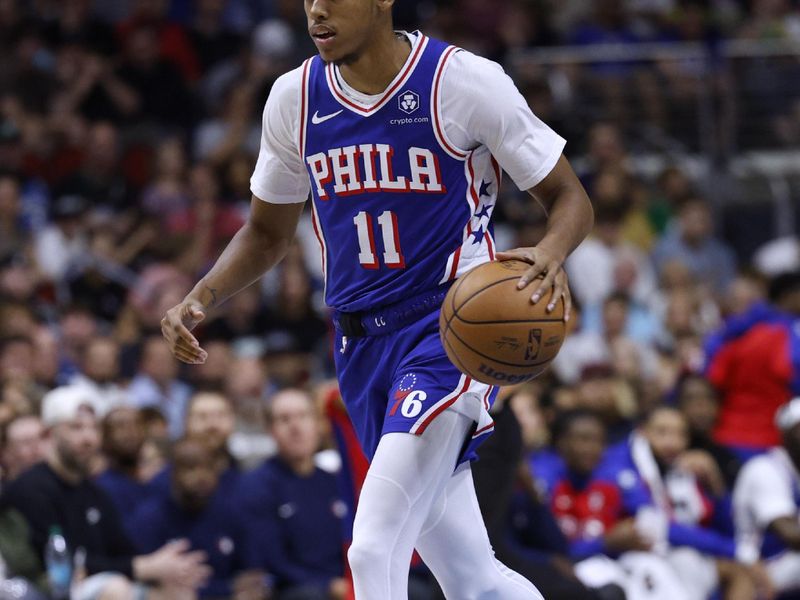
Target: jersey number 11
(392,255)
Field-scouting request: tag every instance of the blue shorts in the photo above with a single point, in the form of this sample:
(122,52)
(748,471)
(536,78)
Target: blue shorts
(400,381)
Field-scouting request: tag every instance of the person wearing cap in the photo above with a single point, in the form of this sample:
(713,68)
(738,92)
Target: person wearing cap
(60,493)
(766,505)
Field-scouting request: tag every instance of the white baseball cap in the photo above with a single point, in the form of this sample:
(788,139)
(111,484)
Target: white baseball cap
(62,404)
(788,415)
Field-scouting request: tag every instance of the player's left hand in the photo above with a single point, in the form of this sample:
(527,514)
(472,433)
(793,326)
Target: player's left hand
(545,263)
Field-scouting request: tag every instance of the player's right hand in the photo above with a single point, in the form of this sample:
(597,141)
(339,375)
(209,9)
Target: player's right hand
(176,327)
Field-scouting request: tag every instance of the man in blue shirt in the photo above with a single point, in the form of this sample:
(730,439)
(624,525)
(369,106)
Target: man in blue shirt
(123,437)
(198,510)
(295,514)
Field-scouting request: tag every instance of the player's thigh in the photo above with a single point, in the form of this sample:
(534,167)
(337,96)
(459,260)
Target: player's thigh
(425,384)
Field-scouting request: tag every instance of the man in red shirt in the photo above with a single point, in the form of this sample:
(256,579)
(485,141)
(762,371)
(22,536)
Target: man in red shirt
(754,361)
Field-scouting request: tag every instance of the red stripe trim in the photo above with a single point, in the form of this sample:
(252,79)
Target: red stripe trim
(303,102)
(439,128)
(456,259)
(443,407)
(318,233)
(498,175)
(489,244)
(475,200)
(409,67)
(482,429)
(486,397)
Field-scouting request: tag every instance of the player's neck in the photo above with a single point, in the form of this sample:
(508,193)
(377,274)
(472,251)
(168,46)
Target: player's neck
(376,67)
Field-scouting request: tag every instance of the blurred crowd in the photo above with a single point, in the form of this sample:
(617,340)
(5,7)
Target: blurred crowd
(659,457)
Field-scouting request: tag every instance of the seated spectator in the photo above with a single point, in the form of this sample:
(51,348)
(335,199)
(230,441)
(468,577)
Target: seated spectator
(22,445)
(99,371)
(59,492)
(542,556)
(23,576)
(157,384)
(294,510)
(669,502)
(594,266)
(197,508)
(751,363)
(209,421)
(691,240)
(766,506)
(699,403)
(64,243)
(590,512)
(123,437)
(246,385)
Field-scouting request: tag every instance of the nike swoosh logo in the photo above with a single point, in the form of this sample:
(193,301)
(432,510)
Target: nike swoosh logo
(316,119)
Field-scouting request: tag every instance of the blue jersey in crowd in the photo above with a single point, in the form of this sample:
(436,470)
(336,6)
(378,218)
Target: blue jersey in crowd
(618,465)
(295,524)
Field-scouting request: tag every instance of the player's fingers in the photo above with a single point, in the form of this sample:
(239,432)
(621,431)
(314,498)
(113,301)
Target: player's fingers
(522,254)
(557,293)
(182,332)
(194,351)
(532,273)
(183,356)
(567,303)
(544,285)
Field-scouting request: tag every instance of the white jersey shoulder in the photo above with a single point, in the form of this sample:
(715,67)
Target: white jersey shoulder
(480,106)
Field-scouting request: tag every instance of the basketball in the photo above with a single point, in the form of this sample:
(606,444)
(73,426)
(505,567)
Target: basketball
(492,332)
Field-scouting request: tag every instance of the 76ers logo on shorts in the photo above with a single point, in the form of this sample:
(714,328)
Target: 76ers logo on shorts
(408,101)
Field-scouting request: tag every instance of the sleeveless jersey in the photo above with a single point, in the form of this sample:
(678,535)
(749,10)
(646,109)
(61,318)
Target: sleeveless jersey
(397,209)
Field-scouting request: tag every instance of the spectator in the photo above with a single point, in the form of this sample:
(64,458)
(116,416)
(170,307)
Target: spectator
(294,510)
(197,507)
(247,386)
(157,385)
(22,446)
(99,372)
(594,265)
(590,511)
(766,506)
(210,421)
(751,363)
(541,557)
(13,234)
(58,492)
(161,95)
(690,240)
(63,244)
(123,437)
(672,507)
(699,403)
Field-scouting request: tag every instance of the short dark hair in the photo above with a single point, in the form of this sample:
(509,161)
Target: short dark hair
(565,420)
(783,284)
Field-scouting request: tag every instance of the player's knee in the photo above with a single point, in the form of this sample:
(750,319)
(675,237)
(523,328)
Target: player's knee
(117,588)
(366,551)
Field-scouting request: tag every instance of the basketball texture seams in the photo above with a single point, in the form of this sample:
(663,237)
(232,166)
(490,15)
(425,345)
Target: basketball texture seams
(492,332)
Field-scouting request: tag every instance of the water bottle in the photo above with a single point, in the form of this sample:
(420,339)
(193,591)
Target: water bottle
(58,564)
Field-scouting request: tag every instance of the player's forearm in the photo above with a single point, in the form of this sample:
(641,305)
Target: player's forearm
(569,221)
(251,253)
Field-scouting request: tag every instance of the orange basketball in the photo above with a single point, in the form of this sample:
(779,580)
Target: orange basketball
(492,332)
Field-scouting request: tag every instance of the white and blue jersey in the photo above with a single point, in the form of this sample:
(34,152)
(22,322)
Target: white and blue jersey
(398,210)
(403,185)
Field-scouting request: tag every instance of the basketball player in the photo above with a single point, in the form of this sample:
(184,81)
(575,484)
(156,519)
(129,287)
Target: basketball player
(401,139)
